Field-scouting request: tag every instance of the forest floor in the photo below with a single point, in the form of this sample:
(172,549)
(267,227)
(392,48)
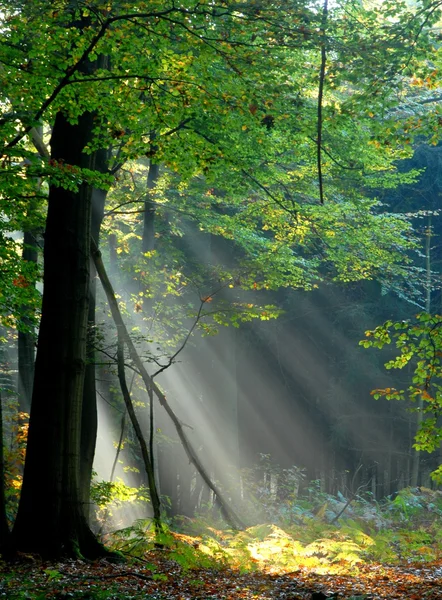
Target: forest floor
(160,578)
(377,551)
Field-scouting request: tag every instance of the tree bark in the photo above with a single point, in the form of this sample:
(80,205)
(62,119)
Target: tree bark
(89,420)
(50,519)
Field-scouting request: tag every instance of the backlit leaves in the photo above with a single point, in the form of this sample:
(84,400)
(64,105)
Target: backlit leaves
(418,343)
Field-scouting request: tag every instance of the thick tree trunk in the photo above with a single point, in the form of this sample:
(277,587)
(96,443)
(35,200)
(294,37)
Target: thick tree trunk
(89,421)
(50,517)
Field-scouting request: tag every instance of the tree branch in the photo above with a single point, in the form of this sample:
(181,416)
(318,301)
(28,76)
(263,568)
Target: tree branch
(65,80)
(123,334)
(140,437)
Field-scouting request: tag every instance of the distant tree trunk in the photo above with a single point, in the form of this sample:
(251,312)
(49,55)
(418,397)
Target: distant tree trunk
(185,475)
(389,461)
(148,242)
(113,256)
(415,463)
(168,473)
(50,519)
(197,491)
(26,338)
(26,335)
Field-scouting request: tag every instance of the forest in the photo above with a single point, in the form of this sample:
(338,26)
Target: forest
(220,299)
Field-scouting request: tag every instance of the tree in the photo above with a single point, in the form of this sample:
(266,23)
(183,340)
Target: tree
(57,406)
(190,86)
(56,520)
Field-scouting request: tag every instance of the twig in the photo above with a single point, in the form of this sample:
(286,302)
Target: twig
(351,497)
(186,339)
(108,575)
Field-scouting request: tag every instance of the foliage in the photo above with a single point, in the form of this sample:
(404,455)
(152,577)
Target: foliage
(232,119)
(265,144)
(104,493)
(18,295)
(15,436)
(406,527)
(112,497)
(419,344)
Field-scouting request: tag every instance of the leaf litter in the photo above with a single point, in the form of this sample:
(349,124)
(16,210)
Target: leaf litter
(159,578)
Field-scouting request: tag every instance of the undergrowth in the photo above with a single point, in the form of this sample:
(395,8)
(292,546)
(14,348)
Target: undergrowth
(400,530)
(406,528)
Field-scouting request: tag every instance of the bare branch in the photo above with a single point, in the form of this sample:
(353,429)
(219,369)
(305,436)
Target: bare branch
(124,336)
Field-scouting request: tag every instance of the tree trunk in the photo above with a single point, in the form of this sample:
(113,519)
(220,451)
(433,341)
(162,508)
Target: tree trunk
(148,242)
(89,421)
(147,459)
(50,519)
(26,338)
(168,474)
